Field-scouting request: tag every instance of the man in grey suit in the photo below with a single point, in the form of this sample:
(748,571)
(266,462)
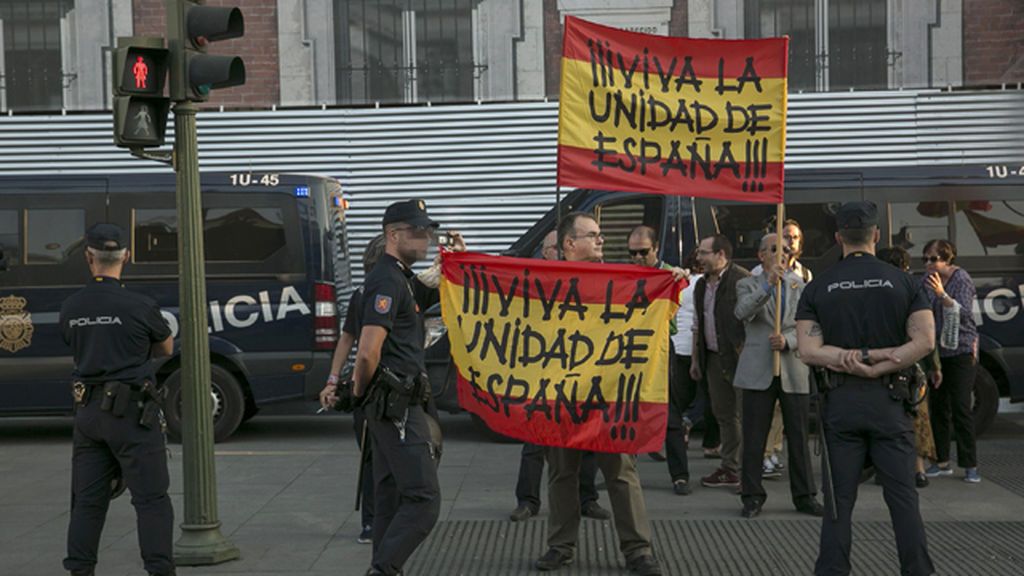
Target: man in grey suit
(755,306)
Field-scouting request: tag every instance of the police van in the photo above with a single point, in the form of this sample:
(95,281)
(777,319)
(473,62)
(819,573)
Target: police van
(979,208)
(275,248)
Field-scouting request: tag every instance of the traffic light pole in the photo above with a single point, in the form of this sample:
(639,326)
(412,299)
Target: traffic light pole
(201,541)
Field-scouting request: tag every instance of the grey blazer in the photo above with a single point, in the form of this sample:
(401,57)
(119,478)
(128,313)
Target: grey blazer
(756,308)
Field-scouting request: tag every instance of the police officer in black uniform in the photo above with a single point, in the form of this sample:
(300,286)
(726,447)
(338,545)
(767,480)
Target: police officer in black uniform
(113,333)
(866,322)
(390,380)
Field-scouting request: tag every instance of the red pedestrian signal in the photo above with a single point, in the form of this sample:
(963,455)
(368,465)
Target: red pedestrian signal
(140,71)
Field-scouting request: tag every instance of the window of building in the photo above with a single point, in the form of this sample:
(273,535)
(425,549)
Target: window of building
(10,245)
(990,228)
(914,224)
(231,234)
(745,224)
(53,235)
(851,53)
(33,76)
(396,51)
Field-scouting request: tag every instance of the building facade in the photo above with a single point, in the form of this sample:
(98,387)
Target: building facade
(56,53)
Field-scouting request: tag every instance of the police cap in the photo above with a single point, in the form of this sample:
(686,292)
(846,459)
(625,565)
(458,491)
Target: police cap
(105,236)
(412,212)
(857,215)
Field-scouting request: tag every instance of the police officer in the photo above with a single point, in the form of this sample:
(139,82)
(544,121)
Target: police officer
(113,333)
(390,379)
(866,321)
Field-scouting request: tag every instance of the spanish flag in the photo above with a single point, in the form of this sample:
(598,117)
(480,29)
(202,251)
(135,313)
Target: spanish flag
(566,354)
(693,117)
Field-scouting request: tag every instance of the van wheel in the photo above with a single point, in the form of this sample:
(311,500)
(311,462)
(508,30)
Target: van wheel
(228,403)
(484,430)
(985,401)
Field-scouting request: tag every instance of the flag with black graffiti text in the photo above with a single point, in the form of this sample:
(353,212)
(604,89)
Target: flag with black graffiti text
(566,354)
(693,117)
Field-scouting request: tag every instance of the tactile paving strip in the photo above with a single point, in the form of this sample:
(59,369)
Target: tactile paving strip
(714,547)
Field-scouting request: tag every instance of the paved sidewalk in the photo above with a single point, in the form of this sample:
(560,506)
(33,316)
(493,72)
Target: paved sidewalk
(286,495)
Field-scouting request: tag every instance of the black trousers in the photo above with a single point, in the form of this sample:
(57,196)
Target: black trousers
(531,472)
(406,491)
(366,506)
(860,420)
(681,392)
(954,396)
(102,443)
(758,411)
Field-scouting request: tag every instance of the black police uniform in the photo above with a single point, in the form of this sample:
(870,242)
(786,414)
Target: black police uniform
(861,303)
(407,493)
(111,331)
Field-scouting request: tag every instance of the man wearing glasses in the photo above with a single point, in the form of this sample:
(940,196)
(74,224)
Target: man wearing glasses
(390,381)
(642,245)
(581,240)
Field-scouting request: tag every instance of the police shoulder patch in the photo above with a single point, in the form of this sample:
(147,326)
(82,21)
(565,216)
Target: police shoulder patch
(382,303)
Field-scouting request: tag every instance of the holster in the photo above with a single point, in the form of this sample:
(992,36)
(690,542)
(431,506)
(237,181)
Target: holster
(392,394)
(153,397)
(901,386)
(824,380)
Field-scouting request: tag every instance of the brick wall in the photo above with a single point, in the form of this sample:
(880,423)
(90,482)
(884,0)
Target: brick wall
(258,48)
(993,42)
(677,26)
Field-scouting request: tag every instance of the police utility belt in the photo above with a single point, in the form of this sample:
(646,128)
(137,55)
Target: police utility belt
(391,394)
(116,396)
(902,384)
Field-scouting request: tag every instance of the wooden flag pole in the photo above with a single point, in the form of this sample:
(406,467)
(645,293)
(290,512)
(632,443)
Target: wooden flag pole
(780,214)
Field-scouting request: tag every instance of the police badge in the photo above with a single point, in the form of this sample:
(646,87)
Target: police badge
(15,324)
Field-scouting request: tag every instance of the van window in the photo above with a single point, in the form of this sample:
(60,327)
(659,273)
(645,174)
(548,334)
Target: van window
(990,228)
(53,234)
(914,224)
(10,246)
(618,219)
(745,224)
(231,234)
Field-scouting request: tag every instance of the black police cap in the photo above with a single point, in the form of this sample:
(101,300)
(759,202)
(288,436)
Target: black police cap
(105,236)
(857,215)
(412,212)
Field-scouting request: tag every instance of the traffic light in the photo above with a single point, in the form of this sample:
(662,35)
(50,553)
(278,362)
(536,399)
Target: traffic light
(140,107)
(191,27)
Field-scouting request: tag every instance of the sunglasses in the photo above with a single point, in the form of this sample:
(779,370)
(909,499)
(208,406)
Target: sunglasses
(932,259)
(643,252)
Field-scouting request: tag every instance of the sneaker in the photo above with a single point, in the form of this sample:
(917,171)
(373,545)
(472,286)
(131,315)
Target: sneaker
(644,565)
(935,471)
(971,476)
(721,478)
(366,536)
(770,471)
(552,560)
(593,510)
(681,487)
(920,480)
(777,462)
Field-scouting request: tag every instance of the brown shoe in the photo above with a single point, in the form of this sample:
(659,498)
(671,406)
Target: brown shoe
(721,478)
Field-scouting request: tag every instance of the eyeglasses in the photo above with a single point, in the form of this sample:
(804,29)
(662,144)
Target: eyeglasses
(590,235)
(785,249)
(643,252)
(933,259)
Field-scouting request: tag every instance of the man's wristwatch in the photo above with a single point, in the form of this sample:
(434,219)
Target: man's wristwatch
(864,356)
(332,380)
